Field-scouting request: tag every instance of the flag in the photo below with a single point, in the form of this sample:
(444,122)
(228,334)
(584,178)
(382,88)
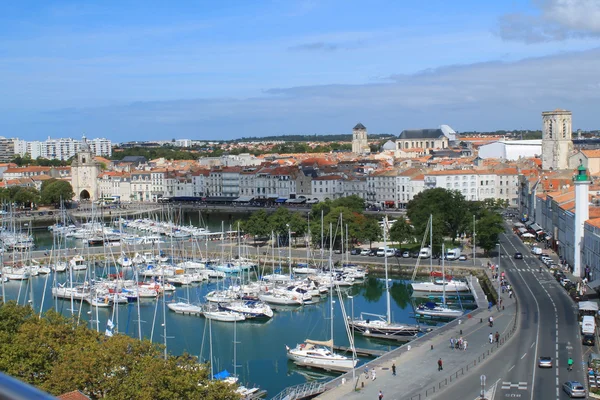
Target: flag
(108,332)
(110,324)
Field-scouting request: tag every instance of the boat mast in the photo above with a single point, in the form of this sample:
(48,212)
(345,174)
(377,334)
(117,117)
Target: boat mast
(431,243)
(387,282)
(212,372)
(331,282)
(443,277)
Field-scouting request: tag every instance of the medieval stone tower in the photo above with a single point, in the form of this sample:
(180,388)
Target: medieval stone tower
(360,145)
(556,139)
(84,173)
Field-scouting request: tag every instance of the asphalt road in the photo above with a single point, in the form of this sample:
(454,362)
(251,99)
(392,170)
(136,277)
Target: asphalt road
(548,327)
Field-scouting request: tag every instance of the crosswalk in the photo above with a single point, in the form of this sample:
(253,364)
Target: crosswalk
(515,385)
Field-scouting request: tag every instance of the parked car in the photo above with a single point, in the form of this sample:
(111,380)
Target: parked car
(593,360)
(406,254)
(545,362)
(574,389)
(337,251)
(415,254)
(518,256)
(398,253)
(564,281)
(355,251)
(372,252)
(365,252)
(463,257)
(435,256)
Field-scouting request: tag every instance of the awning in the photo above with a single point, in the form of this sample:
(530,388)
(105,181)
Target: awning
(536,227)
(297,201)
(244,199)
(518,225)
(522,230)
(313,201)
(588,306)
(281,200)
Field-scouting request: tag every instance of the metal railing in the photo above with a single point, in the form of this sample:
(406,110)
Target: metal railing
(300,391)
(480,358)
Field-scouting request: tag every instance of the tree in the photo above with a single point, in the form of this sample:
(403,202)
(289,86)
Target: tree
(489,226)
(401,231)
(26,196)
(447,206)
(56,191)
(257,224)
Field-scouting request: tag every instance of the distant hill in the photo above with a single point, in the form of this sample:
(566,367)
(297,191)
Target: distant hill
(309,138)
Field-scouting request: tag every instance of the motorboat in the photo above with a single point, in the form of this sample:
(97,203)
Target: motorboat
(281,298)
(77,263)
(225,316)
(380,326)
(185,308)
(251,309)
(319,354)
(439,285)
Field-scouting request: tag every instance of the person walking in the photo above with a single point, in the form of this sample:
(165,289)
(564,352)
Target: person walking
(373,374)
(452,343)
(570,364)
(394,369)
(380,395)
(440,365)
(497,336)
(465,344)
(491,337)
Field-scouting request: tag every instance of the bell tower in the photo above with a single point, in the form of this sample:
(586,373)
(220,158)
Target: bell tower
(84,173)
(360,144)
(557,143)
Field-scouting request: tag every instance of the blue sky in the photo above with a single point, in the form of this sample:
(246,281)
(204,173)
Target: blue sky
(133,70)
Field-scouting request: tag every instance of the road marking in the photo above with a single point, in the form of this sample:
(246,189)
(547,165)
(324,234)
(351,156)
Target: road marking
(510,369)
(523,356)
(532,345)
(516,385)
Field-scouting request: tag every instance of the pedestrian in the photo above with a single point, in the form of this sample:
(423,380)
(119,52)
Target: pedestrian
(440,366)
(394,369)
(452,343)
(500,301)
(366,372)
(489,306)
(373,374)
(497,335)
(380,395)
(465,344)
(510,294)
(491,337)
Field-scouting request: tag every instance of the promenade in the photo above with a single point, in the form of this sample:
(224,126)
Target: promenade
(417,375)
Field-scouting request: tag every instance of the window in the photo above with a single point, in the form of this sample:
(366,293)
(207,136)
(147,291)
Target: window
(564,130)
(550,129)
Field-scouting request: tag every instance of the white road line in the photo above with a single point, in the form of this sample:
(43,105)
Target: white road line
(532,345)
(510,369)
(523,356)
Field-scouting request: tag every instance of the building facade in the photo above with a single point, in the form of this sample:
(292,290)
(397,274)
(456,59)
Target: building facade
(557,144)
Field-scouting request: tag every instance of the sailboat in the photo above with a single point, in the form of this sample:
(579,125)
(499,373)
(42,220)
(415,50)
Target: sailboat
(434,310)
(436,284)
(382,326)
(320,353)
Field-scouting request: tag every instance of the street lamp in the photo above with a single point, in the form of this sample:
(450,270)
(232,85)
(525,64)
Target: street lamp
(474,235)
(352,341)
(498,270)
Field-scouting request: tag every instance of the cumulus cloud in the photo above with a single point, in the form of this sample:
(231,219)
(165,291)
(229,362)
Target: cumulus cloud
(491,95)
(556,20)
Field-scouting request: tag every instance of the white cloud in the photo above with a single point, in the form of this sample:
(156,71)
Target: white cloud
(486,96)
(557,20)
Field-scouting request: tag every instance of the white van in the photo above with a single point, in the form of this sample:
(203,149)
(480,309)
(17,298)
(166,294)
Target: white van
(425,252)
(453,254)
(588,325)
(381,252)
(536,250)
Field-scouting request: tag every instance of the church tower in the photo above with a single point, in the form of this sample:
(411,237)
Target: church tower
(84,173)
(557,144)
(360,145)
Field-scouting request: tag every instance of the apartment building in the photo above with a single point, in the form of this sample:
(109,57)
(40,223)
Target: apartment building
(327,187)
(61,149)
(115,184)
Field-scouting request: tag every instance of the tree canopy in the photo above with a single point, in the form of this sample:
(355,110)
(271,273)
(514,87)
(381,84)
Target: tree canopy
(54,190)
(59,356)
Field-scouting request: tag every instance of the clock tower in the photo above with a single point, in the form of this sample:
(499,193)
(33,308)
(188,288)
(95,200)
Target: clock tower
(84,173)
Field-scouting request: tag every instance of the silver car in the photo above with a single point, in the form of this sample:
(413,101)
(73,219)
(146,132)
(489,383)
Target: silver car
(545,362)
(574,389)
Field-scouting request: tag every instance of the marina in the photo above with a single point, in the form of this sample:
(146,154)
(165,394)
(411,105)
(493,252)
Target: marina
(120,290)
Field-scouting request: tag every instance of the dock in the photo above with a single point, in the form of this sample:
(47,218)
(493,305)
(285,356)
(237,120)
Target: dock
(361,352)
(397,338)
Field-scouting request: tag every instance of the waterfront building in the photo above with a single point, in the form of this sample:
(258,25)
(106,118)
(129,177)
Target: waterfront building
(84,174)
(327,187)
(115,184)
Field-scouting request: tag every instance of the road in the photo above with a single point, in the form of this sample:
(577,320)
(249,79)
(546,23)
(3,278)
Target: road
(548,327)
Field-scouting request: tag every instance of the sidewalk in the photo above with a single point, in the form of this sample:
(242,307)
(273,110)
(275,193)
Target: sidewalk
(416,362)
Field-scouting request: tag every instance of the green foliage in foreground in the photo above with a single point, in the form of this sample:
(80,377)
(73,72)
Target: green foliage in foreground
(58,356)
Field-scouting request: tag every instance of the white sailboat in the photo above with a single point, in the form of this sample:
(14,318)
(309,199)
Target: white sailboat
(382,326)
(434,310)
(320,353)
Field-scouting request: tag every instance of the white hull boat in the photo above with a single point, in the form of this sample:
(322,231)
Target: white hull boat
(309,354)
(439,286)
(225,316)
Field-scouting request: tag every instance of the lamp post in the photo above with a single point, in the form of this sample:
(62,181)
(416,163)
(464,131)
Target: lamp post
(498,270)
(289,248)
(474,235)
(352,339)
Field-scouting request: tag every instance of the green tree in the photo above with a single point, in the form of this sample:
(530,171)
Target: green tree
(489,226)
(257,225)
(448,207)
(26,196)
(56,191)
(401,231)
